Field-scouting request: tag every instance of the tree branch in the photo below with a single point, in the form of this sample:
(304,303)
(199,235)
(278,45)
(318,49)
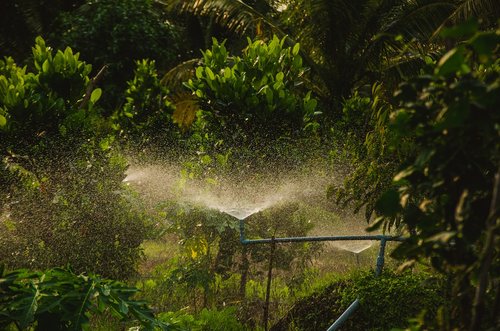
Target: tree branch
(91,86)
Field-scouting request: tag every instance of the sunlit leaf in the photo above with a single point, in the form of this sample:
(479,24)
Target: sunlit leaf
(96,95)
(46,66)
(185,113)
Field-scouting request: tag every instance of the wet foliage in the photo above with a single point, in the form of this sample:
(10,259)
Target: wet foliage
(386,302)
(385,102)
(70,207)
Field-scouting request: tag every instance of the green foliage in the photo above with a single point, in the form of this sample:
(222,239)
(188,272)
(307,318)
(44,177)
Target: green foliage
(213,269)
(62,199)
(117,34)
(386,302)
(364,141)
(255,113)
(146,106)
(283,220)
(48,98)
(206,320)
(58,299)
(208,241)
(255,94)
(347,44)
(445,189)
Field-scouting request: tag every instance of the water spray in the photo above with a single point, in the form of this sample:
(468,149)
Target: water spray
(153,181)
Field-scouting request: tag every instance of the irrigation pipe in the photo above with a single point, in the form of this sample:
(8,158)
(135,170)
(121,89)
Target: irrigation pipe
(345,315)
(355,305)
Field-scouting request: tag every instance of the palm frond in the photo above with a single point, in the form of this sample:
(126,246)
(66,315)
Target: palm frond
(180,73)
(488,10)
(235,15)
(184,114)
(186,105)
(418,18)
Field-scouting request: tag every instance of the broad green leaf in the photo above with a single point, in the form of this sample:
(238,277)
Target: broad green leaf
(297,62)
(46,66)
(464,30)
(96,94)
(269,96)
(29,305)
(199,72)
(310,105)
(485,43)
(296,49)
(227,72)
(209,73)
(80,318)
(3,120)
(388,203)
(451,62)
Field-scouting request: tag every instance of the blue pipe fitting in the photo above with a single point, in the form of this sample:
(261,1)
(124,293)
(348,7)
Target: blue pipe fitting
(345,315)
(380,257)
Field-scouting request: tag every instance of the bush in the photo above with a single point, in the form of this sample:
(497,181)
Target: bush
(386,302)
(445,191)
(255,94)
(117,33)
(62,195)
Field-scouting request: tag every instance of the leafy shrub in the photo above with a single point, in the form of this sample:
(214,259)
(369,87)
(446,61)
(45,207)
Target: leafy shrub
(255,94)
(445,190)
(58,299)
(144,121)
(62,195)
(146,105)
(364,143)
(386,302)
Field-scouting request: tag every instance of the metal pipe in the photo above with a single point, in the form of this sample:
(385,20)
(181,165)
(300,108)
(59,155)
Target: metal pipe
(380,257)
(316,238)
(242,231)
(345,315)
(268,287)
